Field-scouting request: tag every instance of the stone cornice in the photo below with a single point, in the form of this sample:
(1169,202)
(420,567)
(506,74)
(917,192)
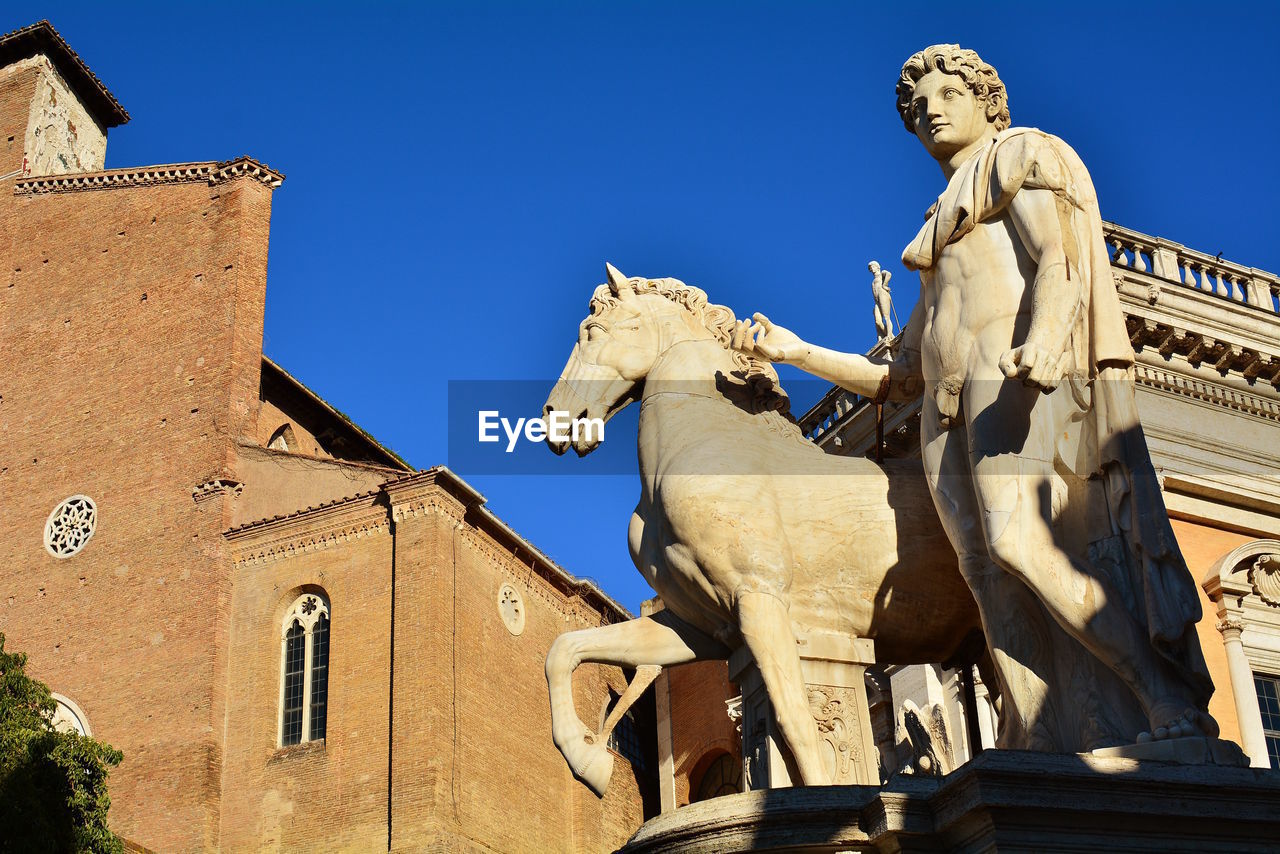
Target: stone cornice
(309,530)
(216,486)
(1219,395)
(211,173)
(436,490)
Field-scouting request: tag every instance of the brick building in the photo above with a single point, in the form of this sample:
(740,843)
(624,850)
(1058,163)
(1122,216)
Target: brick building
(295,638)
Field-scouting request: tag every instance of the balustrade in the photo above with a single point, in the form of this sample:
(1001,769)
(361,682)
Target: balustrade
(1140,253)
(1131,250)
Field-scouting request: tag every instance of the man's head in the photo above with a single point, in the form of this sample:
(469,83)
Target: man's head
(978,76)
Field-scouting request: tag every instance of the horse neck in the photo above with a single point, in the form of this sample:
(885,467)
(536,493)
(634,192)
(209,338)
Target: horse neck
(689,367)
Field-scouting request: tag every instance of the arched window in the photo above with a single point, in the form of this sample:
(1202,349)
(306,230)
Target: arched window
(722,776)
(283,440)
(304,670)
(68,717)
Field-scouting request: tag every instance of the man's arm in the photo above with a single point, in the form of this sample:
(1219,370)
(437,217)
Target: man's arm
(1043,359)
(873,377)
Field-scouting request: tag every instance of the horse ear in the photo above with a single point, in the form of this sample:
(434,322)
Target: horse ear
(616,279)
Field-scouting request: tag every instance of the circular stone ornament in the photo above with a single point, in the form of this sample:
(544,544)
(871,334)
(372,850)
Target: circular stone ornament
(70,526)
(511,609)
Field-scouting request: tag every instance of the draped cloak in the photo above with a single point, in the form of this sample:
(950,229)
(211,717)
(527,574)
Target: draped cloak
(1134,538)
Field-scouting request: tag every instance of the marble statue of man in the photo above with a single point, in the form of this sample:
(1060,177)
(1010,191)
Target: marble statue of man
(1030,436)
(883,301)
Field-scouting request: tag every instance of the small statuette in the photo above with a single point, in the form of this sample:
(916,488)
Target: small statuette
(884,314)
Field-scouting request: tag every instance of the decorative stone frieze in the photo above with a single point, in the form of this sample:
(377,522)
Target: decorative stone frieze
(309,530)
(439,504)
(210,172)
(215,487)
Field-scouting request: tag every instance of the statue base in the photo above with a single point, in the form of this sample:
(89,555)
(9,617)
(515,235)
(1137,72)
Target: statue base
(1193,750)
(1002,799)
(834,668)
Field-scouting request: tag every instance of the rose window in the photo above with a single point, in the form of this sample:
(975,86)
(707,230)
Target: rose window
(511,609)
(70,526)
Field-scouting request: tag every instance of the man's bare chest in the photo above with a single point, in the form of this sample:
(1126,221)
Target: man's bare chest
(985,273)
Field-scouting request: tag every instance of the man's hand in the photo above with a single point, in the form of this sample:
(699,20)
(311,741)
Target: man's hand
(772,342)
(1035,365)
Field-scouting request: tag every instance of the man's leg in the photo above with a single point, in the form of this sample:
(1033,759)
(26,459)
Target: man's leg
(1012,456)
(1013,621)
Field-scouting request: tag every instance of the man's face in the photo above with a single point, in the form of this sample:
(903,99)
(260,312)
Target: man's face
(947,116)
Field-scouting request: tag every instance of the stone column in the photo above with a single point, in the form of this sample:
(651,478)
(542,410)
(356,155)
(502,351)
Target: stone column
(834,668)
(666,761)
(987,721)
(1247,713)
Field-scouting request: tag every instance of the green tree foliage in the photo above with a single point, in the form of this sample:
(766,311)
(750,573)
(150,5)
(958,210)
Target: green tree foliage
(53,785)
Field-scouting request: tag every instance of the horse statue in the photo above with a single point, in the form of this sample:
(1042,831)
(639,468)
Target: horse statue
(751,534)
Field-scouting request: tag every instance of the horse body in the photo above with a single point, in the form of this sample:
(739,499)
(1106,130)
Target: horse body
(868,556)
(750,534)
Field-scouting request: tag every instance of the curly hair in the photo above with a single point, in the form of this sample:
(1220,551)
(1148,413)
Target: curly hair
(980,77)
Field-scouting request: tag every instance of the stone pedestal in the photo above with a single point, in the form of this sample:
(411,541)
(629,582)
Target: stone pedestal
(834,668)
(1002,799)
(1193,750)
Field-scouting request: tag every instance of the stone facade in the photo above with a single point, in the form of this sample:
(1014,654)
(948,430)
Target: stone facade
(221,488)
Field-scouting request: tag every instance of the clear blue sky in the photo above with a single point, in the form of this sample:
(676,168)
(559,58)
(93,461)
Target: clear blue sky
(458,172)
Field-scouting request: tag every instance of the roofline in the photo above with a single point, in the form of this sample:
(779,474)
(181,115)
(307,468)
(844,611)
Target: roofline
(575,580)
(476,502)
(42,38)
(211,172)
(399,461)
(441,477)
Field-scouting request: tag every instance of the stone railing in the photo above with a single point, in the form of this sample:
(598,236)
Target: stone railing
(1133,250)
(827,412)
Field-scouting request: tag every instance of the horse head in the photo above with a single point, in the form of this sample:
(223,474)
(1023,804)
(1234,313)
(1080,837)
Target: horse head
(630,324)
(633,325)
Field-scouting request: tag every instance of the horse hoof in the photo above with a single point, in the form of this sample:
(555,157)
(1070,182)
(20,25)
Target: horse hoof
(590,763)
(597,771)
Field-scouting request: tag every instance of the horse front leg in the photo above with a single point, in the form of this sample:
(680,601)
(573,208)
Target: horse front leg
(662,640)
(766,627)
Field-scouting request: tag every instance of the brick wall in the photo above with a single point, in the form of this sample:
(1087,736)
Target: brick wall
(17,89)
(131,323)
(700,724)
(133,317)
(442,714)
(330,794)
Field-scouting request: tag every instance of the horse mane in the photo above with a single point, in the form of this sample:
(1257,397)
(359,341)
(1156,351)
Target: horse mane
(760,380)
